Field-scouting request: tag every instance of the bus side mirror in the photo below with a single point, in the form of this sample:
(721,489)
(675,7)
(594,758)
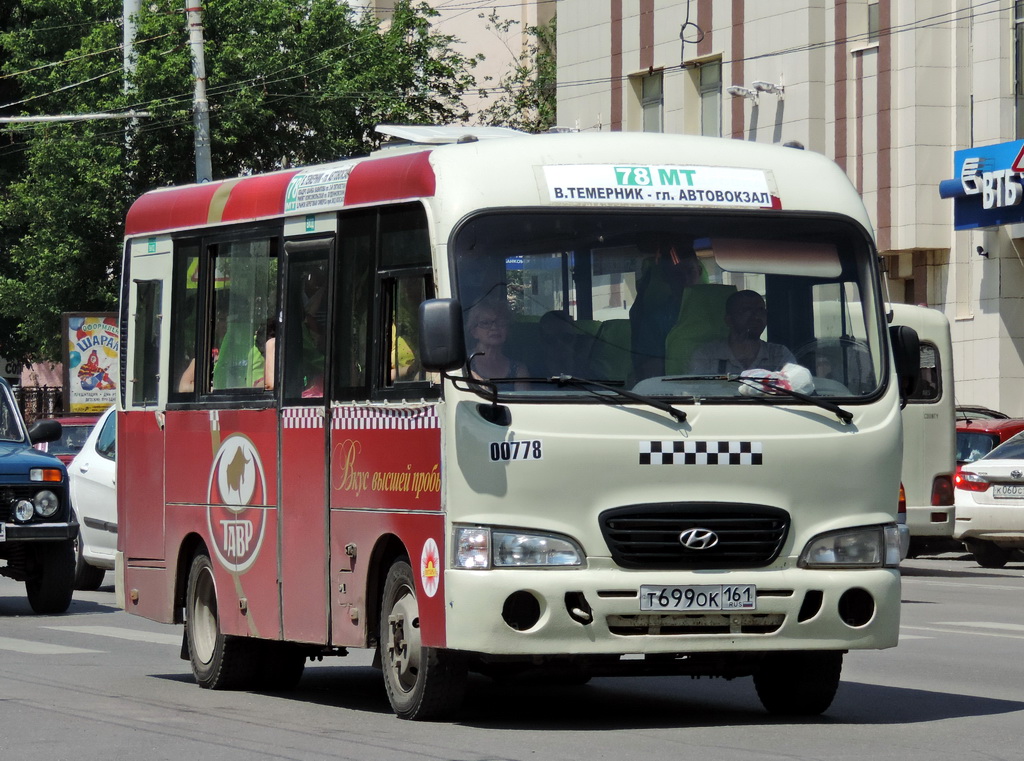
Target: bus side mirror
(442,340)
(906,349)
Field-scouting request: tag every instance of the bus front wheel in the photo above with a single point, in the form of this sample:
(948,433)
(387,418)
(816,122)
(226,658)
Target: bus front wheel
(423,683)
(800,683)
(219,661)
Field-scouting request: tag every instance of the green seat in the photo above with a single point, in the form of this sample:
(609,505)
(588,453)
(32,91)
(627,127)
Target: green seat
(610,357)
(701,320)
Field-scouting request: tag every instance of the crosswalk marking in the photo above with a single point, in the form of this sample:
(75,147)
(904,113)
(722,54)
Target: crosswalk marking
(121,633)
(40,648)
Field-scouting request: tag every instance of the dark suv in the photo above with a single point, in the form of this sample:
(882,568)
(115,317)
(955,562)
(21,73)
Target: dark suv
(37,530)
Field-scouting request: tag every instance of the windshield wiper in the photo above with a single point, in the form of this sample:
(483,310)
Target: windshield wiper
(845,416)
(572,380)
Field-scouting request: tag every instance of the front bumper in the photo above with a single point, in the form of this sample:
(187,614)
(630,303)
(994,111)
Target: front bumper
(40,532)
(797,609)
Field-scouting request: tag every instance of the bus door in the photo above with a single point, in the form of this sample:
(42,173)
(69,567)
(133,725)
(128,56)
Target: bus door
(141,486)
(304,542)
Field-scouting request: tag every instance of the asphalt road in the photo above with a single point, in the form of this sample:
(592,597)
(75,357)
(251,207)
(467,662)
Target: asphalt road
(97,683)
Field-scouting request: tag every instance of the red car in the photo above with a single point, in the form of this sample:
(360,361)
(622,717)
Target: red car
(75,430)
(976,437)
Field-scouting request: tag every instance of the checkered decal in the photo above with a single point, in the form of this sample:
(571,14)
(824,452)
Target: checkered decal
(384,418)
(700,453)
(302,417)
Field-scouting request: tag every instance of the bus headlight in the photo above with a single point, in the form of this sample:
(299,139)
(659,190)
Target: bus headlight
(478,547)
(46,503)
(862,547)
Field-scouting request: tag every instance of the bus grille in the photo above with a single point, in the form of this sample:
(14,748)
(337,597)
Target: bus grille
(650,536)
(646,625)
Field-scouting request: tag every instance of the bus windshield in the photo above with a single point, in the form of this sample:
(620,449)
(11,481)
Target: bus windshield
(695,305)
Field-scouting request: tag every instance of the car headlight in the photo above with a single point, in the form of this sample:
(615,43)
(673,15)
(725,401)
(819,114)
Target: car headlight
(23,510)
(862,547)
(480,548)
(46,503)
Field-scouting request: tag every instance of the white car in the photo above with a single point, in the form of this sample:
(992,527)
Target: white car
(990,504)
(93,475)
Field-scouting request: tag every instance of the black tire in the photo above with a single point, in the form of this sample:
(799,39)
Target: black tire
(423,683)
(800,683)
(219,661)
(88,578)
(988,554)
(53,577)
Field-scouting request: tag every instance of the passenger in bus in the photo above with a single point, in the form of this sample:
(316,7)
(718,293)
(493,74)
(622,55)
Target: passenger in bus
(487,326)
(658,296)
(743,349)
(257,366)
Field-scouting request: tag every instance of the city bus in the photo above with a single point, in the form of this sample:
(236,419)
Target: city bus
(554,406)
(929,432)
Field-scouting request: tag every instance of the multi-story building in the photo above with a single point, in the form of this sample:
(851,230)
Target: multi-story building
(889,90)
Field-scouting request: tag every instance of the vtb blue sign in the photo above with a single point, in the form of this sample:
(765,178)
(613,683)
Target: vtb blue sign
(987,188)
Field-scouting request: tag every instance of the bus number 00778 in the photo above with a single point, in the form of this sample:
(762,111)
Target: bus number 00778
(503,451)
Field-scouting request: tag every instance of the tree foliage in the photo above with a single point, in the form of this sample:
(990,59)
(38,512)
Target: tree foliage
(289,82)
(526,93)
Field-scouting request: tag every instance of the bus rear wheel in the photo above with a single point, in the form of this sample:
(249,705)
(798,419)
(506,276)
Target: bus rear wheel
(423,683)
(219,661)
(800,683)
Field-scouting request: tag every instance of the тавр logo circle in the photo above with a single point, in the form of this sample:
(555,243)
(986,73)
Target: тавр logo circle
(237,491)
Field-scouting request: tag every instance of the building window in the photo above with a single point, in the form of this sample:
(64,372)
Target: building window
(873,22)
(1018,65)
(710,84)
(651,102)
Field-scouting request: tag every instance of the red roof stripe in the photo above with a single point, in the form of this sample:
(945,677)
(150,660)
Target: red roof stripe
(408,175)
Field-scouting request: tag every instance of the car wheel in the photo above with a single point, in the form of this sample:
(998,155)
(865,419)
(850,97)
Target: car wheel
(423,683)
(53,579)
(988,554)
(87,577)
(219,661)
(800,683)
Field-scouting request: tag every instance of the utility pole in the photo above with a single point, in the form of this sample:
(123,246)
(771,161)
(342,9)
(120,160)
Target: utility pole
(200,106)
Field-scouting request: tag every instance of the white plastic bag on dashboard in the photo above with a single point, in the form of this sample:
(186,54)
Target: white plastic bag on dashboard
(792,377)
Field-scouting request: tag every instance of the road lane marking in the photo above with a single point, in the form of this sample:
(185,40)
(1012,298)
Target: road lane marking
(913,636)
(961,631)
(121,633)
(983,625)
(911,579)
(40,648)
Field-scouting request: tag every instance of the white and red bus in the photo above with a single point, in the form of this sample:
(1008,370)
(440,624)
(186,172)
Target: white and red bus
(495,403)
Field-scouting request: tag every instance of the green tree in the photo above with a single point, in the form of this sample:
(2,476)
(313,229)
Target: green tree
(526,93)
(290,82)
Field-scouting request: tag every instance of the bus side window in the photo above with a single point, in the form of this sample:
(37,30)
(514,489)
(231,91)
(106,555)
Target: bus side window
(305,318)
(184,312)
(244,304)
(403,297)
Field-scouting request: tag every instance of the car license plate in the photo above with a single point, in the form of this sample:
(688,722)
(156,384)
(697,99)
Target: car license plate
(3,532)
(1008,491)
(704,597)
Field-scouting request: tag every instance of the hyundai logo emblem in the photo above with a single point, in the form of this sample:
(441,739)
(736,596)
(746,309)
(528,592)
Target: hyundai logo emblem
(698,539)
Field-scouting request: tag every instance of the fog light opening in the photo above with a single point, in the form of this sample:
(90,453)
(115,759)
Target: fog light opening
(856,607)
(811,605)
(521,611)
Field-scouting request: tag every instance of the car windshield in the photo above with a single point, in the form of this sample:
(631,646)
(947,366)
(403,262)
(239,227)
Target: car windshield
(691,305)
(10,419)
(71,440)
(971,446)
(1011,449)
